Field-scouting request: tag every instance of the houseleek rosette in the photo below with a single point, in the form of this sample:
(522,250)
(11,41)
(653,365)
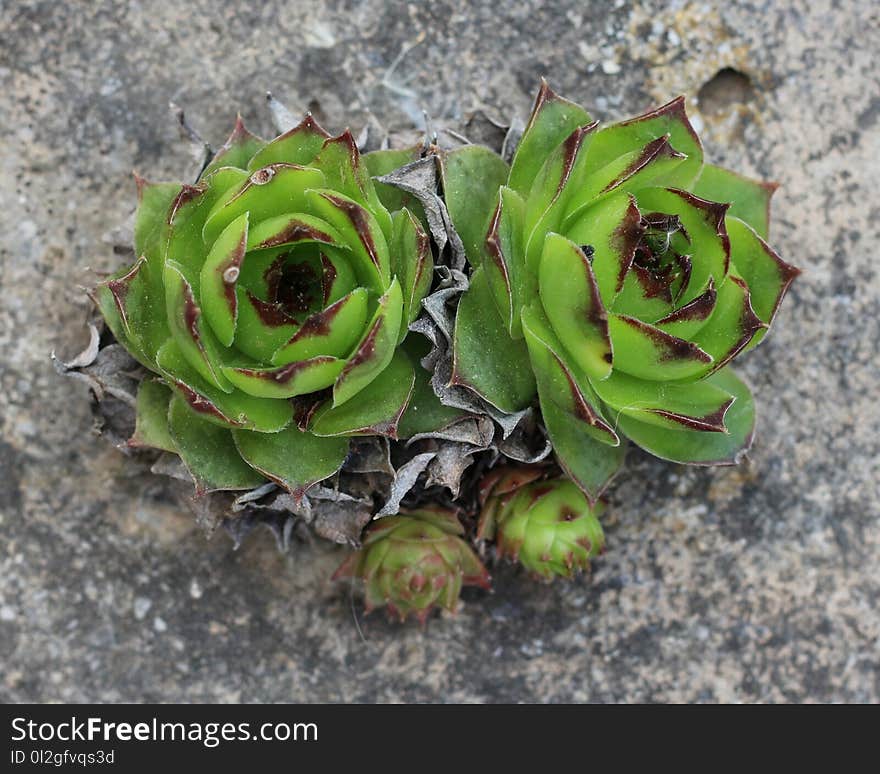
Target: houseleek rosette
(270,299)
(548,526)
(616,275)
(413,562)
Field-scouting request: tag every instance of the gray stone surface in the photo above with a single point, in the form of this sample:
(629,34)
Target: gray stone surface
(759,583)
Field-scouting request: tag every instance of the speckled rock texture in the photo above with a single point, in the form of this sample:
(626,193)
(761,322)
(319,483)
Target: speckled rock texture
(760,583)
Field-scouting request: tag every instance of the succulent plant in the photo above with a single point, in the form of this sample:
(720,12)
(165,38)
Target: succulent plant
(271,299)
(413,562)
(615,276)
(547,525)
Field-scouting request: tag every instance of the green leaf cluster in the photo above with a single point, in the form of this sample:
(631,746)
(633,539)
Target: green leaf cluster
(615,277)
(272,300)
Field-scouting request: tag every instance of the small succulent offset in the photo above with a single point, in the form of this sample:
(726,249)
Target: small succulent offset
(271,299)
(414,562)
(615,275)
(548,526)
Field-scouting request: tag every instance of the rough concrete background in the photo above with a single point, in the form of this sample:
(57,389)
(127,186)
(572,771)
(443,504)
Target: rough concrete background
(754,584)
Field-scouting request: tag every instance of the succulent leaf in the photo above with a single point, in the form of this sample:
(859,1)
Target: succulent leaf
(415,274)
(375,349)
(687,320)
(383,162)
(697,447)
(132,311)
(586,445)
(262,327)
(764,272)
(292,229)
(645,351)
(734,323)
(298,377)
(611,229)
(195,341)
(237,150)
(511,285)
(332,331)
(547,202)
(628,173)
(487,360)
(292,458)
(260,195)
(573,306)
(183,241)
(208,451)
(636,133)
(235,409)
(749,199)
(553,119)
(151,417)
(219,278)
(341,163)
(298,146)
(154,204)
(471,176)
(379,407)
(425,413)
(560,382)
(590,463)
(362,234)
(695,405)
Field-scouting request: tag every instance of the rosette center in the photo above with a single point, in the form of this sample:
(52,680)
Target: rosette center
(660,256)
(294,285)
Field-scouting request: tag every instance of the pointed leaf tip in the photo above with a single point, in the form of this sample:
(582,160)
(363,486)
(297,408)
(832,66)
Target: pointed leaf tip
(553,119)
(698,447)
(238,149)
(240,133)
(141,183)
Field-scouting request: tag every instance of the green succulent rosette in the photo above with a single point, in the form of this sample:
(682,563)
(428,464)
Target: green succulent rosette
(414,562)
(548,526)
(270,299)
(615,276)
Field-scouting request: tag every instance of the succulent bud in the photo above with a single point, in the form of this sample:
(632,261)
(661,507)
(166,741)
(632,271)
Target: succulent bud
(413,562)
(548,526)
